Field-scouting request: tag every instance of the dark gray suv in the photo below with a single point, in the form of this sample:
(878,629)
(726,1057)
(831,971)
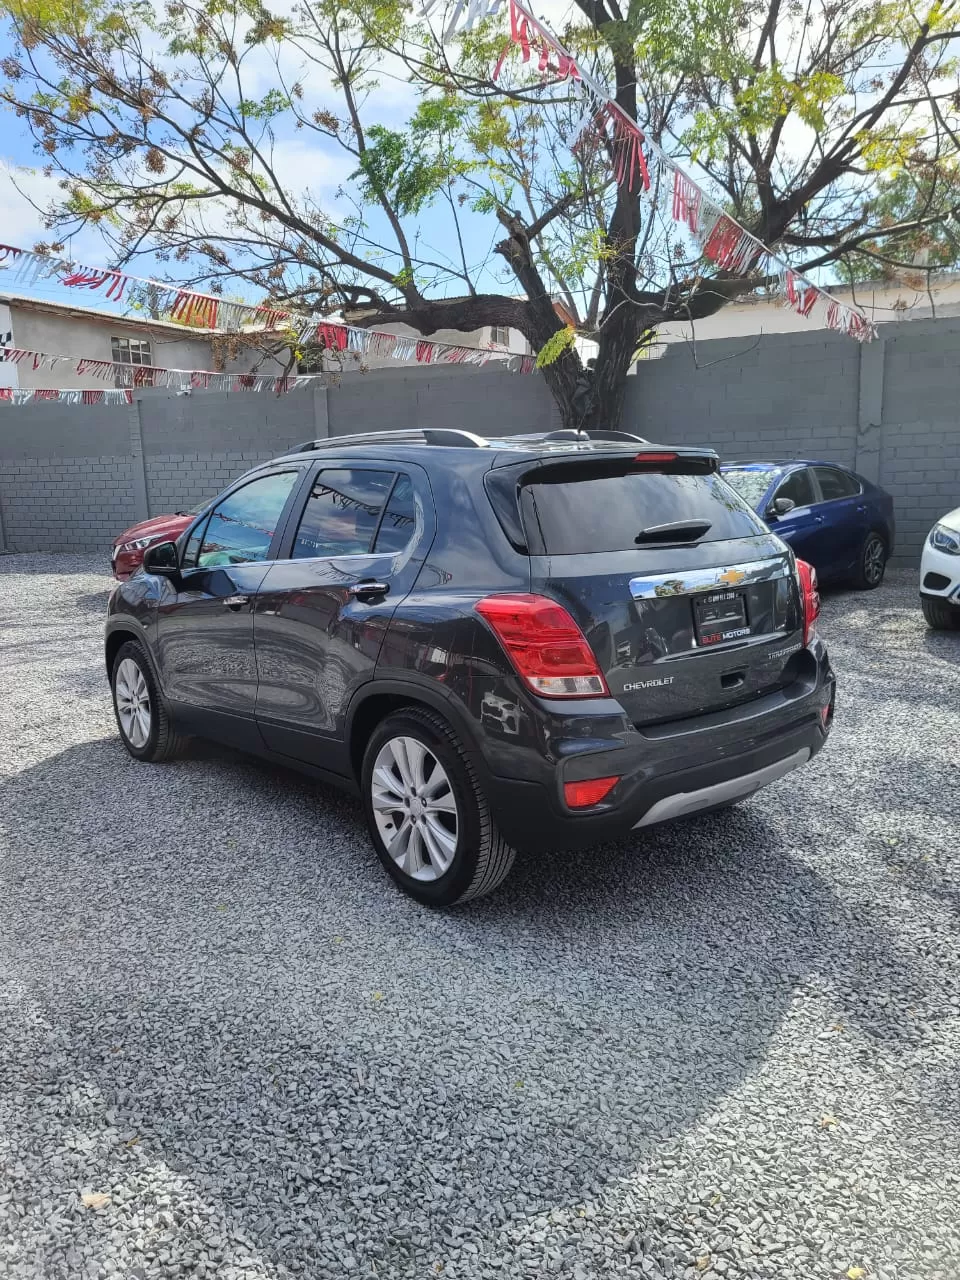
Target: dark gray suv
(532,642)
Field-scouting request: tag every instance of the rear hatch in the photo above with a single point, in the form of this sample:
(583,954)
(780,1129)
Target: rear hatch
(688,601)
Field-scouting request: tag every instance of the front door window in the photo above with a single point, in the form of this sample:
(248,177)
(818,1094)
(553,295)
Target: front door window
(241,529)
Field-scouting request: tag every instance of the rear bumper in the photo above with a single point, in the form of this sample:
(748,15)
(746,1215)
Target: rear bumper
(665,771)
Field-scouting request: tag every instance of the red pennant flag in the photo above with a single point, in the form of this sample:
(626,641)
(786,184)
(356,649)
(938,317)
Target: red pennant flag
(687,200)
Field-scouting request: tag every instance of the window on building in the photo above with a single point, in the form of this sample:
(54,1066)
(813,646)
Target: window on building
(500,335)
(136,353)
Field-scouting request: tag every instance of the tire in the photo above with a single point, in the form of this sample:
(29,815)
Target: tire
(871,563)
(940,614)
(453,851)
(154,738)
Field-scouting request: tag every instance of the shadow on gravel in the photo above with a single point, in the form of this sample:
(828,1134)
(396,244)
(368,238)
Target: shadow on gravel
(92,602)
(241,1007)
(944,645)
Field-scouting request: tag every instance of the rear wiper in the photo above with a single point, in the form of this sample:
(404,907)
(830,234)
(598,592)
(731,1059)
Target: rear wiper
(678,531)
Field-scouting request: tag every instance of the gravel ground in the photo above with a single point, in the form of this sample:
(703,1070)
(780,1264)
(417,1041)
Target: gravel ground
(730,1048)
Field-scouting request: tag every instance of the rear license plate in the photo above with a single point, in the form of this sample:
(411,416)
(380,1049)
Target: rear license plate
(719,616)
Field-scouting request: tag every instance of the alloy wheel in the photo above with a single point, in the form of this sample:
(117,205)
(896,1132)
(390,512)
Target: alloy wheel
(874,559)
(414,808)
(133,703)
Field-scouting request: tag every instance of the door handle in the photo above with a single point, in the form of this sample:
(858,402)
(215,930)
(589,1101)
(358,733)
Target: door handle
(862,510)
(818,519)
(360,589)
(235,602)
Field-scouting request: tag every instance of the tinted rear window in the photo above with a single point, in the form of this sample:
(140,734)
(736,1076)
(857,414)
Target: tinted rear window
(606,513)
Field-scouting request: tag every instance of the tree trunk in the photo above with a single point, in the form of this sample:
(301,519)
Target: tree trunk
(618,342)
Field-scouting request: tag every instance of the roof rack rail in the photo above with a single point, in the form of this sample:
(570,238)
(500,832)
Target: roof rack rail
(615,436)
(375,437)
(449,436)
(452,436)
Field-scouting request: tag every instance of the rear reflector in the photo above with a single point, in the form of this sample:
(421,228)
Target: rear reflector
(580,795)
(810,598)
(545,645)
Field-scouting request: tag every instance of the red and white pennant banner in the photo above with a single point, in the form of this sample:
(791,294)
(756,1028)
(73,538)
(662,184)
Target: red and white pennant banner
(140,376)
(722,240)
(203,311)
(185,306)
(21,395)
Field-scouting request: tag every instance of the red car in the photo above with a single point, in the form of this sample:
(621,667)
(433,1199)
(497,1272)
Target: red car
(127,555)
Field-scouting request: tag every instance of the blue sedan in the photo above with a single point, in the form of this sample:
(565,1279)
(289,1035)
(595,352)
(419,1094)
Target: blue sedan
(834,519)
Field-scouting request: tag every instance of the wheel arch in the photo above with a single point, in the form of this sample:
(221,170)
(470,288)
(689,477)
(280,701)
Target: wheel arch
(375,701)
(116,638)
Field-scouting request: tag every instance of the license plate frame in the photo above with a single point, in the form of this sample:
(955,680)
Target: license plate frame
(719,616)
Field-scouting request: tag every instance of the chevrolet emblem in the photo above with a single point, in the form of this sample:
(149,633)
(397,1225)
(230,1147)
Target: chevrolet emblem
(730,578)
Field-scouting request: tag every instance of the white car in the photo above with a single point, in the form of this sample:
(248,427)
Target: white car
(940,573)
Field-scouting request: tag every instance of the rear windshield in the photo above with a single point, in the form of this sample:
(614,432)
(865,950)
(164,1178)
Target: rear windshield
(609,512)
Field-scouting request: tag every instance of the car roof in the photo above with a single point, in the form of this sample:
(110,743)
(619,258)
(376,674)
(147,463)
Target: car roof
(435,445)
(779,464)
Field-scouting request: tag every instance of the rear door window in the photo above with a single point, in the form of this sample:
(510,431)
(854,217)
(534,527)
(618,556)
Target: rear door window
(343,513)
(836,484)
(399,519)
(606,512)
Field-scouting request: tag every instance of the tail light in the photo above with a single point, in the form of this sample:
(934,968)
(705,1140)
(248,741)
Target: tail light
(581,795)
(545,645)
(655,459)
(809,598)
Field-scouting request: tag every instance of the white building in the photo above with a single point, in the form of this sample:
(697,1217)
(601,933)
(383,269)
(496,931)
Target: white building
(87,334)
(881,302)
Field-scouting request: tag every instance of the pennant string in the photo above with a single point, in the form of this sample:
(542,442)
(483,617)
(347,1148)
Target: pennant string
(726,243)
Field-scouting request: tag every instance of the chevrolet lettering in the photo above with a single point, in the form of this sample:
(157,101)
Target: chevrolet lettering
(648,684)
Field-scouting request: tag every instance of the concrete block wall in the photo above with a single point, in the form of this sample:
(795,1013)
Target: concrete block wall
(65,504)
(66,475)
(193,446)
(72,477)
(181,481)
(489,401)
(920,452)
(784,396)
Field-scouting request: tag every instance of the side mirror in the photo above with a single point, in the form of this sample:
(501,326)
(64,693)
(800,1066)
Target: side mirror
(162,559)
(780,507)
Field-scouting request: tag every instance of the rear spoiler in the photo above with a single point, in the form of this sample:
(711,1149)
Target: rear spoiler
(503,483)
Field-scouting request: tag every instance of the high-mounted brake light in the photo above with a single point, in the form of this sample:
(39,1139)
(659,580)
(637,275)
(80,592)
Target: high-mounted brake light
(545,645)
(809,597)
(654,458)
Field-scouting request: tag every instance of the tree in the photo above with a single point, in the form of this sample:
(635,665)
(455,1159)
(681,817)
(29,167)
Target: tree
(827,127)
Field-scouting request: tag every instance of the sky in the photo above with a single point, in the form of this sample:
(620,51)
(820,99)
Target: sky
(301,160)
(304,161)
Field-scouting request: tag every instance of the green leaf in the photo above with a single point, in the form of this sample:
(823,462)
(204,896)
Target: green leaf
(555,346)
